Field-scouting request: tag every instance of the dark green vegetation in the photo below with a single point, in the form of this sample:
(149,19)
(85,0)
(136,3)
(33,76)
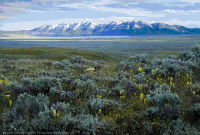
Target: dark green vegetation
(68,91)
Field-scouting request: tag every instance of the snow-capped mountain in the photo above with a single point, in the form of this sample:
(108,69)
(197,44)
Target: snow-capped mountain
(112,29)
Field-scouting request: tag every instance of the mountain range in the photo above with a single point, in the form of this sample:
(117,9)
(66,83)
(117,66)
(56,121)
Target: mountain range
(126,28)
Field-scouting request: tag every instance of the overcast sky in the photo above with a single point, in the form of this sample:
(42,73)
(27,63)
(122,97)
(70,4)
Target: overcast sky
(28,14)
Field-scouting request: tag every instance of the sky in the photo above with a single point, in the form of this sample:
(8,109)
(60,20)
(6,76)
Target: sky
(29,14)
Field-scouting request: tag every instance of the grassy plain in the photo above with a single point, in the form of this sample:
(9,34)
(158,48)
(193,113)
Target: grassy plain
(154,45)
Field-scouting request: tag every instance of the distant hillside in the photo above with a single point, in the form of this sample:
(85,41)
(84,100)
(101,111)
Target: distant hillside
(126,28)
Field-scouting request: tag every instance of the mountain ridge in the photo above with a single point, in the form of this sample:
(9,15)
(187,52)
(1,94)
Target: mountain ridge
(124,28)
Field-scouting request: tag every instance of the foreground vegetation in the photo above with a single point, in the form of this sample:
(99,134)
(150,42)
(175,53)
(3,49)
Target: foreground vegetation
(77,92)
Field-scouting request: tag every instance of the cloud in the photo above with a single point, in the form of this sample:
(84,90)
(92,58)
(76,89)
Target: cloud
(102,6)
(187,23)
(3,17)
(35,11)
(191,1)
(185,12)
(12,7)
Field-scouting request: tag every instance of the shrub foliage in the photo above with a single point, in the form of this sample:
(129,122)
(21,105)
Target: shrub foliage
(139,95)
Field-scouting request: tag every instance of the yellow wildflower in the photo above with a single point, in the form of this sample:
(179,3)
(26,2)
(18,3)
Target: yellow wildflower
(77,90)
(156,69)
(54,112)
(10,102)
(194,92)
(99,96)
(173,84)
(121,92)
(145,100)
(136,84)
(122,97)
(141,96)
(58,114)
(140,69)
(140,86)
(99,110)
(188,83)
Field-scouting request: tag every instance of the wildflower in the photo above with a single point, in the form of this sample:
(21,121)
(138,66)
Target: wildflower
(90,69)
(58,115)
(145,100)
(122,97)
(188,83)
(79,80)
(173,84)
(171,81)
(8,96)
(140,69)
(141,96)
(156,69)
(194,92)
(99,96)
(136,84)
(99,110)
(77,90)
(152,70)
(140,86)
(121,92)
(54,112)
(10,102)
